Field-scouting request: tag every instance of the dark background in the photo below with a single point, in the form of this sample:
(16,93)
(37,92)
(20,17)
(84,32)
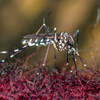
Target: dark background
(22,17)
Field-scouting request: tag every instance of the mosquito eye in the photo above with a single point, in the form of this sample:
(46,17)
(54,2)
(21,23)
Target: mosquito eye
(24,41)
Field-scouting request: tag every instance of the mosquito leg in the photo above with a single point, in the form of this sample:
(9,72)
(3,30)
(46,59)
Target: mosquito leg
(54,48)
(44,25)
(77,41)
(67,58)
(46,55)
(16,50)
(55,58)
(46,28)
(43,62)
(11,51)
(67,63)
(75,63)
(83,62)
(16,56)
(75,33)
(11,56)
(44,22)
(39,29)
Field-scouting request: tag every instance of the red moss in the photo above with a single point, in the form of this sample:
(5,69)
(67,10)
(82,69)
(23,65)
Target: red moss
(49,85)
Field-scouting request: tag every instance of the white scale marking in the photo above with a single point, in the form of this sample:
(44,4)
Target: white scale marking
(16,50)
(42,40)
(47,40)
(69,51)
(85,65)
(67,63)
(24,42)
(3,61)
(68,46)
(75,59)
(43,64)
(37,73)
(61,33)
(25,46)
(44,25)
(42,44)
(31,44)
(37,44)
(71,71)
(4,51)
(47,43)
(36,40)
(55,29)
(63,44)
(11,56)
(60,42)
(60,47)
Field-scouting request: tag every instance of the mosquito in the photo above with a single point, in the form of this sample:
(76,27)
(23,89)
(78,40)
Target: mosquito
(61,41)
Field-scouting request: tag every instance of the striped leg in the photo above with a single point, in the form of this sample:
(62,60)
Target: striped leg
(16,50)
(67,63)
(75,63)
(11,56)
(54,48)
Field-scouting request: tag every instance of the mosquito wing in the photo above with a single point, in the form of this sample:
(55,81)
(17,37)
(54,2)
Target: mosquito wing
(34,36)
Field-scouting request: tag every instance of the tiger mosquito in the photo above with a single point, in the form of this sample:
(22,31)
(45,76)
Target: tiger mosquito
(61,42)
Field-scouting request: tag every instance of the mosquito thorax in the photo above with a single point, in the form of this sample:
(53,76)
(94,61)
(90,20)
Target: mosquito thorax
(66,37)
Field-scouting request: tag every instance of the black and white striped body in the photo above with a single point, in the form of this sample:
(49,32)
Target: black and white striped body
(37,42)
(61,43)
